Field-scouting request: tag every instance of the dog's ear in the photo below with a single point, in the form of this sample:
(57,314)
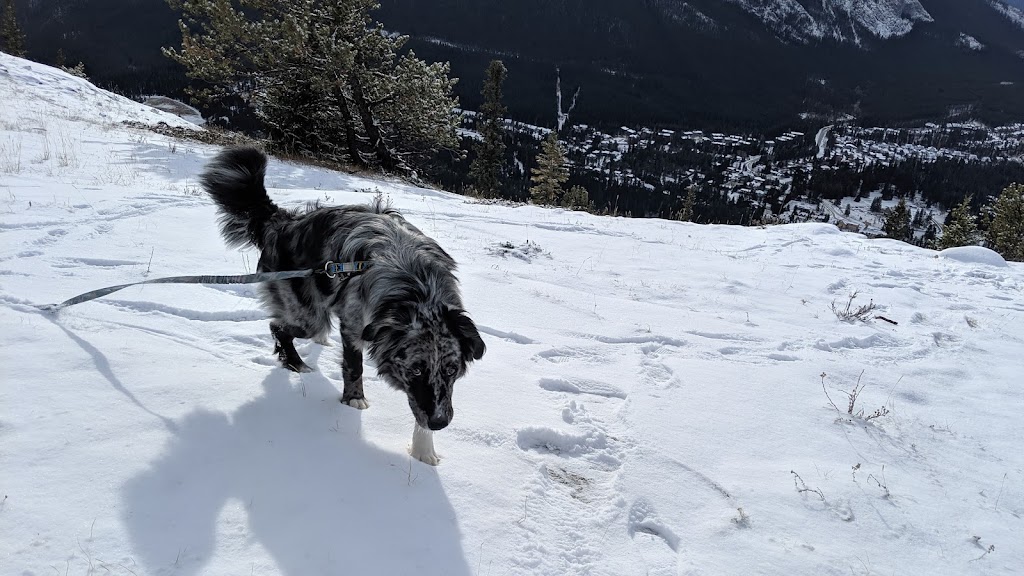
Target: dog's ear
(389,317)
(371,331)
(465,331)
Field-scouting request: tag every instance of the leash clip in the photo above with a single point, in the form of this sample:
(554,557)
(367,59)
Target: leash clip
(327,270)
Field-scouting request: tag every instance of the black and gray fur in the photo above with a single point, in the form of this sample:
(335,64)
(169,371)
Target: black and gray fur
(405,308)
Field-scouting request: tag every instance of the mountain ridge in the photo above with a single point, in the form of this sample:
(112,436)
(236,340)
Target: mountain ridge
(686,63)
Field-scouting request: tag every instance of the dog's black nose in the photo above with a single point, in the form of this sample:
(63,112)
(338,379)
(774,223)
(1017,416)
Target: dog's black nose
(437,423)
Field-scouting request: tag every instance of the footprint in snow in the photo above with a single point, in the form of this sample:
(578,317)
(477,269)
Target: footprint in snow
(581,386)
(569,353)
(510,336)
(588,441)
(644,520)
(550,441)
(654,370)
(51,237)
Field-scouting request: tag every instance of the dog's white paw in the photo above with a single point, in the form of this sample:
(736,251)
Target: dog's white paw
(357,403)
(422,447)
(432,459)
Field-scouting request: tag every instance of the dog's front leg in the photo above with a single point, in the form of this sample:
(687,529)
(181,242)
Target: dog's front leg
(422,447)
(284,347)
(352,374)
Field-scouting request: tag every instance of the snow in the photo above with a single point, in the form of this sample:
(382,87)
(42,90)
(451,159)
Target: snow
(1014,14)
(655,398)
(837,19)
(974,255)
(176,107)
(969,42)
(821,140)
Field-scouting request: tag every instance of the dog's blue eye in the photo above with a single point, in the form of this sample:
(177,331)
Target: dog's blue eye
(417,372)
(451,371)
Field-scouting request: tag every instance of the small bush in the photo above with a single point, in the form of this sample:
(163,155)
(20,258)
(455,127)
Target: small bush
(851,314)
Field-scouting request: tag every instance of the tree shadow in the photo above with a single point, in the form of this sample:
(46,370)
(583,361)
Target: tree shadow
(318,498)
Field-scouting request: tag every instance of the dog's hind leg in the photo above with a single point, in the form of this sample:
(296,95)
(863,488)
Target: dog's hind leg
(352,374)
(284,347)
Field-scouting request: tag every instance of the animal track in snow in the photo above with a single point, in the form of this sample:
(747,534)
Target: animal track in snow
(587,440)
(564,354)
(637,339)
(581,386)
(550,441)
(945,340)
(873,341)
(642,518)
(836,286)
(510,336)
(654,369)
(721,336)
(51,237)
(200,315)
(577,483)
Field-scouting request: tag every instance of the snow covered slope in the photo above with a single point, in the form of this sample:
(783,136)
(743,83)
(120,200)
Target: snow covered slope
(654,399)
(840,20)
(1015,14)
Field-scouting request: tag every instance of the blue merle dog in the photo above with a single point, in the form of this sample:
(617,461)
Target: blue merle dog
(405,308)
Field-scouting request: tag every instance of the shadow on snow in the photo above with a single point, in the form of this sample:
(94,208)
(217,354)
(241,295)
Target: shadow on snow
(319,499)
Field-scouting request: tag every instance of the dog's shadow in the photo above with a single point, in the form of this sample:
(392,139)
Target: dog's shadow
(317,497)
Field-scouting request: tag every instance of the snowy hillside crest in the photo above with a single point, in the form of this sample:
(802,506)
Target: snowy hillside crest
(652,402)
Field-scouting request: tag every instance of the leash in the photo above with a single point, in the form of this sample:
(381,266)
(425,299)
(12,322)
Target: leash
(330,269)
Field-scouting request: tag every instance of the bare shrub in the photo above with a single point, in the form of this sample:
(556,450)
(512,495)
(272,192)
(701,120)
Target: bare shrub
(850,314)
(851,407)
(10,156)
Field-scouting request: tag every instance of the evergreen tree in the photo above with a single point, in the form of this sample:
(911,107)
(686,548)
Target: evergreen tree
(576,197)
(961,229)
(928,240)
(685,213)
(12,40)
(1006,232)
(324,77)
(486,172)
(876,204)
(897,222)
(550,173)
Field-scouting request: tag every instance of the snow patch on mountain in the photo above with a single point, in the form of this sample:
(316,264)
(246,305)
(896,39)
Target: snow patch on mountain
(969,42)
(688,14)
(1016,15)
(841,20)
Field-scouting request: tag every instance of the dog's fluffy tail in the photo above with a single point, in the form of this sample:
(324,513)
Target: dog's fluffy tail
(234,179)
